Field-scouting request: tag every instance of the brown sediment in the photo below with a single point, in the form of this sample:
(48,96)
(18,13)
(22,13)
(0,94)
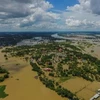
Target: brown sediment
(23,86)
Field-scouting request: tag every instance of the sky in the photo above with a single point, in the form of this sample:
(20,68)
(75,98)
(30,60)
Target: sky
(49,15)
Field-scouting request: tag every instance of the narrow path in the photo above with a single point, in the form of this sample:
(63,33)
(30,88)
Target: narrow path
(83,88)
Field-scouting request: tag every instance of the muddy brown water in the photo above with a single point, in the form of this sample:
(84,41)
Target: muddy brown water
(22,85)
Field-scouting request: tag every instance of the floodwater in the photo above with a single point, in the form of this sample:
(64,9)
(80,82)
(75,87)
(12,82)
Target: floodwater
(23,86)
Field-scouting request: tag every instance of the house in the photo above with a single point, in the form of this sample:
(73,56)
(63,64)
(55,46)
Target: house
(32,60)
(36,77)
(47,69)
(95,96)
(60,49)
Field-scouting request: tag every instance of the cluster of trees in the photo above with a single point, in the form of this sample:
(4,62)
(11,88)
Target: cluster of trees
(52,84)
(72,47)
(85,71)
(2,78)
(48,47)
(89,70)
(6,57)
(2,71)
(51,74)
(57,88)
(81,73)
(65,93)
(6,74)
(47,82)
(36,68)
(60,71)
(18,51)
(36,57)
(46,58)
(12,38)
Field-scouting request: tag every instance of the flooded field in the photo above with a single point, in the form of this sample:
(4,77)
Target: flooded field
(22,85)
(83,89)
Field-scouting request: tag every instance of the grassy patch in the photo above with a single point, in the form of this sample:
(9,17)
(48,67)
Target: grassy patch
(63,79)
(2,93)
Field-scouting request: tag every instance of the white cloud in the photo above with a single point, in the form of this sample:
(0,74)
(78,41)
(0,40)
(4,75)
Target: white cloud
(39,16)
(36,14)
(17,8)
(48,26)
(27,13)
(84,15)
(90,6)
(95,6)
(76,23)
(84,5)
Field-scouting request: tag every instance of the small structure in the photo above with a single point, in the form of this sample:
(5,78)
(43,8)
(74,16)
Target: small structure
(47,69)
(36,77)
(60,49)
(96,95)
(49,63)
(32,60)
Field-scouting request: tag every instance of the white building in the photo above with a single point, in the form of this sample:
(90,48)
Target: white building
(96,96)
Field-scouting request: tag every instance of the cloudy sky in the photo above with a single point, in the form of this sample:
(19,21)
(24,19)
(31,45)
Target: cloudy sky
(49,15)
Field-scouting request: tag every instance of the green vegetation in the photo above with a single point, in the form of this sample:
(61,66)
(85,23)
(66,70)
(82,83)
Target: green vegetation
(2,93)
(63,79)
(36,68)
(92,51)
(57,88)
(5,74)
(84,45)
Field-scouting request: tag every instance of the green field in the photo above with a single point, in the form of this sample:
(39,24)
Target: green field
(2,93)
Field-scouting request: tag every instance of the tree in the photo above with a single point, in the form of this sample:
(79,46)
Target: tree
(51,74)
(1,79)
(6,76)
